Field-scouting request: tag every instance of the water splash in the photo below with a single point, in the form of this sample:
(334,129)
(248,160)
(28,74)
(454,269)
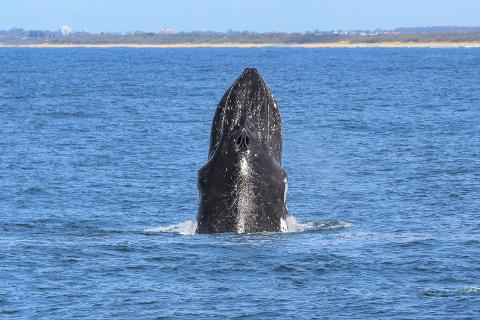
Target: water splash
(465,291)
(292,226)
(185,228)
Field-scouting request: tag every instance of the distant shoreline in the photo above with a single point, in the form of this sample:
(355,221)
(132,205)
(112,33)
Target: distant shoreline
(254,45)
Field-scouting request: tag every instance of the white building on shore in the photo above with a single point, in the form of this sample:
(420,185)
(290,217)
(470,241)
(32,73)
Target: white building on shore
(65,30)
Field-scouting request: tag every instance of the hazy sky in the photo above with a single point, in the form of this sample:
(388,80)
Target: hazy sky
(221,15)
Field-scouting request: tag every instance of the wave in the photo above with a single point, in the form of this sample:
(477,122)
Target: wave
(293,225)
(465,291)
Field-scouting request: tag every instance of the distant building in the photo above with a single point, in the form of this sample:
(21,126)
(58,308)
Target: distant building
(166,30)
(65,30)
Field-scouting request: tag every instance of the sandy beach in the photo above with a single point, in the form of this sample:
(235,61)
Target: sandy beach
(257,45)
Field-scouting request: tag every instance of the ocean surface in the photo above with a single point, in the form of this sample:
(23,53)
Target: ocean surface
(99,152)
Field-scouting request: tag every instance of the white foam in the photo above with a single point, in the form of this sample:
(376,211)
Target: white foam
(293,225)
(470,290)
(186,228)
(465,291)
(290,225)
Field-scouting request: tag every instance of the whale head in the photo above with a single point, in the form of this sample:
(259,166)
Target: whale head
(247,118)
(242,187)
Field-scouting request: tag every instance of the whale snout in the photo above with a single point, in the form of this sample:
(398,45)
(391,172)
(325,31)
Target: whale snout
(251,72)
(247,104)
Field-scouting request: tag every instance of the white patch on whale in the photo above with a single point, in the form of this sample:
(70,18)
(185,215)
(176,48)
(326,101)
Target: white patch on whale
(244,190)
(283,225)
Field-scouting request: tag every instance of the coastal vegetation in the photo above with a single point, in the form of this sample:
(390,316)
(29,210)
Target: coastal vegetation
(17,36)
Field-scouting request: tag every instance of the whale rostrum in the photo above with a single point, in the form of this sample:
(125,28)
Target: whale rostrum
(242,187)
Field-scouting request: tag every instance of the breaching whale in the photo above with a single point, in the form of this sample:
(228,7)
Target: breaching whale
(242,187)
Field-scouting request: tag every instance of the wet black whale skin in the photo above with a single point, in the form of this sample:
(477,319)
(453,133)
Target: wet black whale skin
(242,187)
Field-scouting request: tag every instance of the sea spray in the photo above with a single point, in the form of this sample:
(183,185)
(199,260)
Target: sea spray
(292,225)
(185,228)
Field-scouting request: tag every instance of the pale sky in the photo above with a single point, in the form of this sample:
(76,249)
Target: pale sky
(221,15)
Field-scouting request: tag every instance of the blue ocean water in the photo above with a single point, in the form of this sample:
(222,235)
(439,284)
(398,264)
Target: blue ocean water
(99,150)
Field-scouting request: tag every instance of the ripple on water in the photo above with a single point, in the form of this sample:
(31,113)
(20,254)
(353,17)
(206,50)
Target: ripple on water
(293,225)
(85,167)
(465,291)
